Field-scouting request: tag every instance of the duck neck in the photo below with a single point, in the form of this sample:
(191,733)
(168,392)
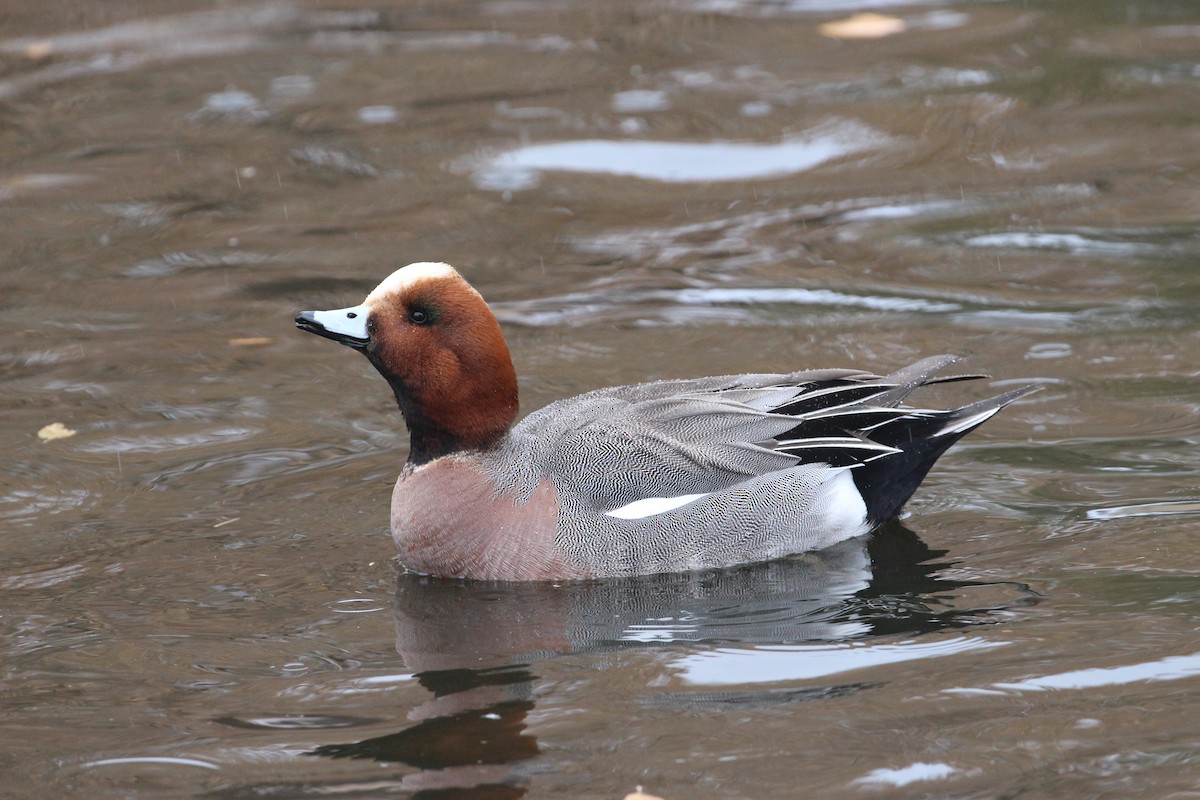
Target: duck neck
(473,414)
(429,440)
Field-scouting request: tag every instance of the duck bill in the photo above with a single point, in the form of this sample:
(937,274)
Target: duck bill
(346,326)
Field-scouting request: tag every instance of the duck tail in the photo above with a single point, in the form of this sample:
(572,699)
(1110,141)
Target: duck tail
(886,483)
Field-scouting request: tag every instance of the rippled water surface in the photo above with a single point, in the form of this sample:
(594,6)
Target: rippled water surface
(197,591)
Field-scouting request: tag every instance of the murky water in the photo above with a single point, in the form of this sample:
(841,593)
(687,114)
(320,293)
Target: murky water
(197,593)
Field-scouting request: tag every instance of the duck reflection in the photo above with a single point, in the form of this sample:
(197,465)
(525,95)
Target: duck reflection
(472,644)
(887,583)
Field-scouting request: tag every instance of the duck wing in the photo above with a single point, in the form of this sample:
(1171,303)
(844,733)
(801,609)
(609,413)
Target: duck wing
(674,439)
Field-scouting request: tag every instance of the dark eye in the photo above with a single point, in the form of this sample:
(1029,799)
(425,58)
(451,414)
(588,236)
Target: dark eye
(418,316)
(371,326)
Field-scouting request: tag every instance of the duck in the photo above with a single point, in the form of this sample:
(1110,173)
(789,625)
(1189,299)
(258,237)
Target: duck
(668,476)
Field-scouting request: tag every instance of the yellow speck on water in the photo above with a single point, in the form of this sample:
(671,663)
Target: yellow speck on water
(252,341)
(862,26)
(55,430)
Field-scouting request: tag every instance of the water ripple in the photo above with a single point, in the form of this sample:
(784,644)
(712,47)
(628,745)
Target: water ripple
(167,760)
(913,773)
(805,662)
(1171,668)
(677,162)
(1146,510)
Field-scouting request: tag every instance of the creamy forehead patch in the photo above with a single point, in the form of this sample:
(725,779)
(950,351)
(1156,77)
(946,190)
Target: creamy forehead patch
(407,277)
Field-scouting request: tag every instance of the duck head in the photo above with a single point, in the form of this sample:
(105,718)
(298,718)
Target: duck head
(440,348)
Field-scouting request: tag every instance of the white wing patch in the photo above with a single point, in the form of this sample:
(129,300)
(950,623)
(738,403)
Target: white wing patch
(649,506)
(846,510)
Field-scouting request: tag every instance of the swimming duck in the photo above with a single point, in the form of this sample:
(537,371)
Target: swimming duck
(667,476)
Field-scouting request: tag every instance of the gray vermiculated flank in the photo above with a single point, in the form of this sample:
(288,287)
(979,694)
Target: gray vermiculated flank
(713,436)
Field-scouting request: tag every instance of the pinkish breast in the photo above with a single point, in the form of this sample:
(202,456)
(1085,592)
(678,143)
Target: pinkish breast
(449,520)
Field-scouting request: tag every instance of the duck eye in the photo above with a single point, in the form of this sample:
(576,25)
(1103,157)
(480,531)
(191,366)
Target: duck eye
(418,316)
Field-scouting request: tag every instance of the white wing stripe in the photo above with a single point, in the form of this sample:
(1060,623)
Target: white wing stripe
(649,506)
(968,422)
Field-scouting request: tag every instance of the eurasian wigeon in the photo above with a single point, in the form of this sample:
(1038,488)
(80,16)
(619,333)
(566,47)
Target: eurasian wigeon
(666,476)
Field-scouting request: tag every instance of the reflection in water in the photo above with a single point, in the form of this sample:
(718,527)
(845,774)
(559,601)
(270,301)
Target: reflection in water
(464,744)
(911,774)
(1073,243)
(886,584)
(442,624)
(1145,510)
(296,722)
(470,643)
(677,162)
(168,760)
(681,305)
(472,735)
(1171,668)
(807,662)
(492,735)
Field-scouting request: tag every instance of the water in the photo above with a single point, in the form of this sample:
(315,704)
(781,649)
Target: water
(197,593)
(673,162)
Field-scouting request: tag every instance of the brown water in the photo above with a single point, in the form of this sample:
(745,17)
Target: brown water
(197,593)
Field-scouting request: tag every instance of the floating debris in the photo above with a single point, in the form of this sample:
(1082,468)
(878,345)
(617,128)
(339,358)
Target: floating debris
(55,430)
(862,26)
(640,795)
